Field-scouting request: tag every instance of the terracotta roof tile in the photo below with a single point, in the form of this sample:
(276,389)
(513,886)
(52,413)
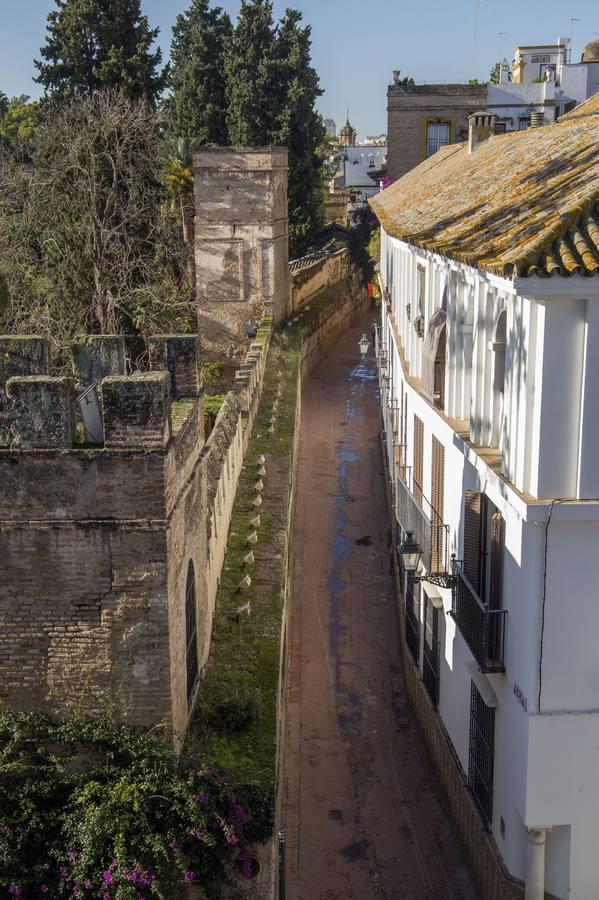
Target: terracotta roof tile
(523,203)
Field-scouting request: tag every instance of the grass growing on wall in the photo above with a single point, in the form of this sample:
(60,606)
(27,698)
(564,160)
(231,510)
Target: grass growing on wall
(234,728)
(234,725)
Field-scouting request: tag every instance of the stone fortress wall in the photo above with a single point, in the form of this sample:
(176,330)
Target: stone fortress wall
(103,532)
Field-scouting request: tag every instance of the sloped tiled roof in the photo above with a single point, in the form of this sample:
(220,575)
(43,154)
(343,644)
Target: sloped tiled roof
(523,203)
(590,107)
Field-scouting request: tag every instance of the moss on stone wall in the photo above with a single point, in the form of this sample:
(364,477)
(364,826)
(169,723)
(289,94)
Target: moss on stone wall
(234,726)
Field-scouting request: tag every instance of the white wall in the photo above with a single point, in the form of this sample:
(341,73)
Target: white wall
(545,773)
(357,166)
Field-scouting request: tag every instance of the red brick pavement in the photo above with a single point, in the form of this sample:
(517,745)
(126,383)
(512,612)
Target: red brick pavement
(362,818)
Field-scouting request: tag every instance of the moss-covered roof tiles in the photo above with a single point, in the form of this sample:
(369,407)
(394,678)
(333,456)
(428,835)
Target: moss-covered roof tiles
(523,203)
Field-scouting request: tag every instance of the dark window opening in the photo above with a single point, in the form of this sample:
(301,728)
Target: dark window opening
(438,134)
(431,654)
(481,754)
(191,630)
(412,601)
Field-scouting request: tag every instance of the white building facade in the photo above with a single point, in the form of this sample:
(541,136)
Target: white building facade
(489,387)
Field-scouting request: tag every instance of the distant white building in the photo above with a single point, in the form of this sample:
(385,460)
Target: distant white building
(331,127)
(489,367)
(358,161)
(542,80)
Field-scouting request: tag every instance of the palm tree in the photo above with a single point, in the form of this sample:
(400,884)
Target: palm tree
(180,188)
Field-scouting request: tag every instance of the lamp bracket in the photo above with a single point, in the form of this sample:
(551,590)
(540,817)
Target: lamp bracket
(442,580)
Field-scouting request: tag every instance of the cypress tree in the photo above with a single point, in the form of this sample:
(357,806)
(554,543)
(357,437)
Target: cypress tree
(299,127)
(95,44)
(198,102)
(253,89)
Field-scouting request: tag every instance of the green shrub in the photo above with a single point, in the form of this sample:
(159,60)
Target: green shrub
(91,810)
(230,702)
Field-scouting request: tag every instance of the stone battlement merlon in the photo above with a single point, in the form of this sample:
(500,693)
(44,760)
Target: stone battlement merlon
(40,412)
(21,355)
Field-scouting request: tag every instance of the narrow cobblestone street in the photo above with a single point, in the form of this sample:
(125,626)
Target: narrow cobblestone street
(362,817)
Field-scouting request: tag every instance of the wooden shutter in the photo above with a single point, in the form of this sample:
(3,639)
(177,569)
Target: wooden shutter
(418,470)
(496,573)
(405,419)
(437,496)
(472,530)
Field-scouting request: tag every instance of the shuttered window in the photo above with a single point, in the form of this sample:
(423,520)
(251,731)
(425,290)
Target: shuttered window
(497,544)
(418,459)
(484,541)
(437,498)
(472,535)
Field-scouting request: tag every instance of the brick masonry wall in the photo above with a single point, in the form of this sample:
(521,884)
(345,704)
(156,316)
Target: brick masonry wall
(348,310)
(95,546)
(306,283)
(83,612)
(408,113)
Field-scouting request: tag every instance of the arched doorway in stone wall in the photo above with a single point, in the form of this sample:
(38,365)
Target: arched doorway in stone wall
(191,630)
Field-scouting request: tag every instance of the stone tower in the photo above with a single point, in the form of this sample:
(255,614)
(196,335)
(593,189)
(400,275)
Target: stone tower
(348,135)
(241,236)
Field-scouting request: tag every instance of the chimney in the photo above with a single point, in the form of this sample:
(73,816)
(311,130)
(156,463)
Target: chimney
(481,126)
(537,120)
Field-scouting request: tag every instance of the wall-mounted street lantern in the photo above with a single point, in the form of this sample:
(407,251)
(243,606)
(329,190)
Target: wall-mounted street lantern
(410,552)
(363,344)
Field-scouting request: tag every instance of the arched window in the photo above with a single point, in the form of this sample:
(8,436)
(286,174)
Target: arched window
(433,360)
(191,630)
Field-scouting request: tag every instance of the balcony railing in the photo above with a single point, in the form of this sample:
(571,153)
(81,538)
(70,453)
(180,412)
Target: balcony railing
(482,628)
(416,514)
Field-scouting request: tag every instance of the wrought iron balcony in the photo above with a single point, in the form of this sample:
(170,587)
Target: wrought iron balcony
(416,514)
(482,628)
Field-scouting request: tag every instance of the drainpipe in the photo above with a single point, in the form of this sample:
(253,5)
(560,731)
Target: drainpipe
(535,864)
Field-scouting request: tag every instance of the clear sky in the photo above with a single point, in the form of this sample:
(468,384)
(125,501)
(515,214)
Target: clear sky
(357,43)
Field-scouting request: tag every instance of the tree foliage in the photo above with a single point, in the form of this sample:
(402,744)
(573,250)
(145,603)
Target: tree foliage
(300,128)
(19,121)
(197,108)
(495,74)
(95,44)
(87,242)
(253,88)
(404,80)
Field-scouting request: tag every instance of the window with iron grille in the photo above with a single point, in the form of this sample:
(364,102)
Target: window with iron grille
(481,753)
(413,618)
(438,134)
(191,630)
(430,650)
